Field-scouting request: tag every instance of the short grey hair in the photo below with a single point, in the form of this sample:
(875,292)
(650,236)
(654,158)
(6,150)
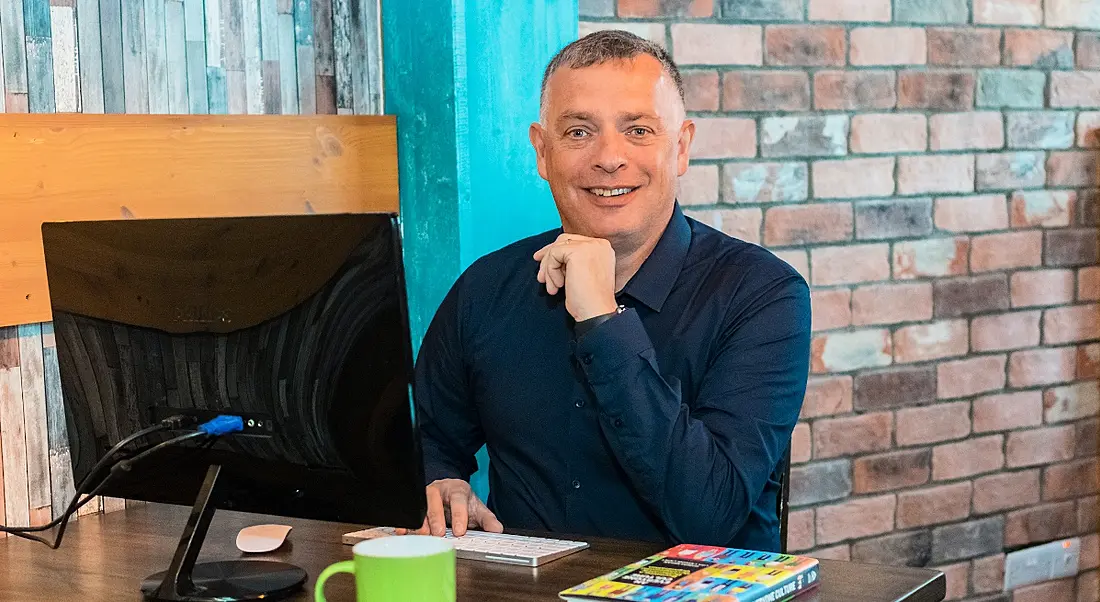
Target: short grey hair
(602,46)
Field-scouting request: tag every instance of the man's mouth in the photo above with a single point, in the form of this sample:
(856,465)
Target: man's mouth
(612,192)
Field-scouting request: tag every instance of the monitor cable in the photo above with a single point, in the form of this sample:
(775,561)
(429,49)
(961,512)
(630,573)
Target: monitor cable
(209,431)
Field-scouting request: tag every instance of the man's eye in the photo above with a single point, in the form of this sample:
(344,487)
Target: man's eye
(639,131)
(578,133)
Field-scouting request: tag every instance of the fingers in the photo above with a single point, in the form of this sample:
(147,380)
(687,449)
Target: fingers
(487,520)
(459,512)
(538,254)
(552,259)
(434,523)
(552,269)
(456,502)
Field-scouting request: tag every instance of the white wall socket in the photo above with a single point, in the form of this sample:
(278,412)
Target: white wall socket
(1053,560)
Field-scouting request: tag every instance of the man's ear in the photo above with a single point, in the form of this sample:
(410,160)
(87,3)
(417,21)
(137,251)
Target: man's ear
(538,140)
(683,146)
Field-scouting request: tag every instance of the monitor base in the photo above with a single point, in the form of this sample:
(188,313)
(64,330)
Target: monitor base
(233,580)
(226,581)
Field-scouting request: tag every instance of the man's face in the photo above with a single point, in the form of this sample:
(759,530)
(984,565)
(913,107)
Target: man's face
(612,144)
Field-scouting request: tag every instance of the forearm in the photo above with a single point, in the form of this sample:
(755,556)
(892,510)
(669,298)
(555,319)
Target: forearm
(703,463)
(442,464)
(450,429)
(673,460)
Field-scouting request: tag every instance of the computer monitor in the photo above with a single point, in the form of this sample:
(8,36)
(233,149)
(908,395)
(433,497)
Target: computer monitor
(297,324)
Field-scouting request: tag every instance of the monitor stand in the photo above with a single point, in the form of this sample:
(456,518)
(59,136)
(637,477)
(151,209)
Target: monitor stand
(225,581)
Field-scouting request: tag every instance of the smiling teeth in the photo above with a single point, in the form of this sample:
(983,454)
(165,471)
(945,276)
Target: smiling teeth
(610,191)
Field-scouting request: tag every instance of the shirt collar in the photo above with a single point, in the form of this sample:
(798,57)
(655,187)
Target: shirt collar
(653,282)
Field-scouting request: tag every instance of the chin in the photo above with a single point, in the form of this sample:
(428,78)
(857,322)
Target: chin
(612,227)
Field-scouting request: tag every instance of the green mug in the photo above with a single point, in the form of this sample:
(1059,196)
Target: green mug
(400,568)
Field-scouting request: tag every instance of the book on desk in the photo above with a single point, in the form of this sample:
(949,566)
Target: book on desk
(690,573)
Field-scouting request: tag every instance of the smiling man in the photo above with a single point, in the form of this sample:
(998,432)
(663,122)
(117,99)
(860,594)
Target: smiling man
(636,373)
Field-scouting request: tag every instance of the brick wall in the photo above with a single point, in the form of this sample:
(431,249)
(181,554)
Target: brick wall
(926,165)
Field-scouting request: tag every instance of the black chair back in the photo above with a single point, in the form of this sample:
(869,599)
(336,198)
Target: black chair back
(782,507)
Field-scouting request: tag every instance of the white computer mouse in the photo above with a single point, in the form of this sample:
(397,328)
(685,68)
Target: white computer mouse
(261,538)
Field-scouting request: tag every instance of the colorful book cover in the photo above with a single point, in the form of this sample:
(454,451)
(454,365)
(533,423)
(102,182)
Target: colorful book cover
(689,573)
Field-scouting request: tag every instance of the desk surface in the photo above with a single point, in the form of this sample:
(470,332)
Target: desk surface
(106,557)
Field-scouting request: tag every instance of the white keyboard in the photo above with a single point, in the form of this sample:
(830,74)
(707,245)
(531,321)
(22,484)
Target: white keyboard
(493,547)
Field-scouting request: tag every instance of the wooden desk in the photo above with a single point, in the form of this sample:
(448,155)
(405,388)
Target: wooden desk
(106,557)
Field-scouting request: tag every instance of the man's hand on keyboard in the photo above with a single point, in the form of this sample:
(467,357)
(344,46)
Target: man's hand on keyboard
(453,501)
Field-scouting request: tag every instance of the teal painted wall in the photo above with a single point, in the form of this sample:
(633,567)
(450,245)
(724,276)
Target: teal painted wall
(509,45)
(463,79)
(420,90)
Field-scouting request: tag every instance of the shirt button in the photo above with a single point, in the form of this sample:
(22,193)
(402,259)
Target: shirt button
(579,403)
(587,359)
(618,422)
(576,484)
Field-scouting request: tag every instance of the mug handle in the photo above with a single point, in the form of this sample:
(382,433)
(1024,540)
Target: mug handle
(344,566)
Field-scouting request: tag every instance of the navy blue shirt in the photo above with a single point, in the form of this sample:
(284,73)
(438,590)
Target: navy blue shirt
(667,422)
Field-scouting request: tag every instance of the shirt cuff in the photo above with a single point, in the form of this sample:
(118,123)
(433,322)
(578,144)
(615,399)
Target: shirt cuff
(434,471)
(608,346)
(581,328)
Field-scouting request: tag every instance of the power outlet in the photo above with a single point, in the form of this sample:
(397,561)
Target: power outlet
(1042,563)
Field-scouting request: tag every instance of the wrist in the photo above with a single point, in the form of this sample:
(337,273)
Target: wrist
(583,327)
(597,311)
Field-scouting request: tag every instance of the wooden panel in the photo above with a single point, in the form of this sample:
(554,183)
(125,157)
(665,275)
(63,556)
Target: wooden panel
(36,18)
(36,15)
(32,373)
(366,83)
(134,69)
(62,488)
(269,30)
(162,166)
(269,55)
(307,81)
(3,96)
(233,58)
(17,103)
(194,26)
(114,90)
(12,49)
(156,49)
(12,432)
(288,64)
(40,74)
(66,81)
(90,56)
(341,43)
(273,103)
(322,37)
(176,54)
(216,91)
(213,15)
(303,40)
(236,92)
(232,37)
(198,97)
(253,62)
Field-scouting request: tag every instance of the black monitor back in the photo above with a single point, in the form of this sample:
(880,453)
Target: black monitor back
(299,324)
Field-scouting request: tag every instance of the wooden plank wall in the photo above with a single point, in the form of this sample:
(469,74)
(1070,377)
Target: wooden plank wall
(154,56)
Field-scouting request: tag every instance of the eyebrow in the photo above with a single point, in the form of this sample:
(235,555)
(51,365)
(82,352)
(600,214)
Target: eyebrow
(621,119)
(576,116)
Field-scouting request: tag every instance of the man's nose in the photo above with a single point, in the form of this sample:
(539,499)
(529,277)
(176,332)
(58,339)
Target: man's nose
(610,156)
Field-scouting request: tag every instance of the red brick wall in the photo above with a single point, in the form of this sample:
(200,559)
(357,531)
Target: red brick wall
(926,165)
